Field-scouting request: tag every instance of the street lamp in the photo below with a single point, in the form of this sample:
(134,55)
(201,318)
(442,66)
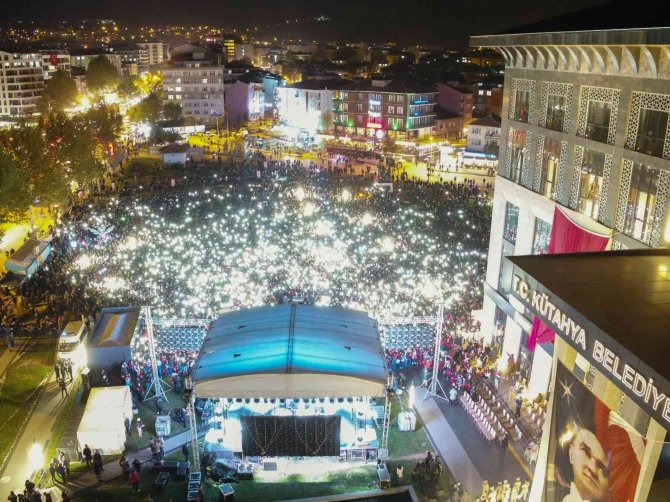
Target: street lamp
(33,232)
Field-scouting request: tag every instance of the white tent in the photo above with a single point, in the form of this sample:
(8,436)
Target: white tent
(102,425)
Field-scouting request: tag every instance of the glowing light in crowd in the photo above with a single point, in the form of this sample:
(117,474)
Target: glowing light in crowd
(197,253)
(36,456)
(346,195)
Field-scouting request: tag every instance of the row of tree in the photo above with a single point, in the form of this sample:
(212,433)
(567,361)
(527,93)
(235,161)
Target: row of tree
(49,158)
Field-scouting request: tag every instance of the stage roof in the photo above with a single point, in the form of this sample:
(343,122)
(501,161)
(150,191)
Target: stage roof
(115,327)
(626,294)
(291,351)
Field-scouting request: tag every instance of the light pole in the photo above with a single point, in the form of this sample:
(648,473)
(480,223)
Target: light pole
(33,232)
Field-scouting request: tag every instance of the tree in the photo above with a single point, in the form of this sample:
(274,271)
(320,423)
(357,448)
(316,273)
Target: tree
(147,110)
(106,123)
(15,193)
(101,74)
(172,112)
(127,86)
(60,91)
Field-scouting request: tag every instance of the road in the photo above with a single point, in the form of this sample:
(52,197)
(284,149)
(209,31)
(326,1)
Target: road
(39,428)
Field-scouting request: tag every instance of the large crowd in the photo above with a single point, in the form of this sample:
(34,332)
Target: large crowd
(197,252)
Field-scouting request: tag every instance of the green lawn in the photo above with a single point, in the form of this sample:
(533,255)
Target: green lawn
(20,388)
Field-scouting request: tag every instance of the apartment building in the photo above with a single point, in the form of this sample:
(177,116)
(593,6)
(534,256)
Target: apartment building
(153,53)
(483,139)
(380,108)
(195,81)
(307,105)
(53,60)
(21,82)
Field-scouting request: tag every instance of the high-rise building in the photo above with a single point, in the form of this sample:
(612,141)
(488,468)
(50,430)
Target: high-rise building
(21,82)
(585,142)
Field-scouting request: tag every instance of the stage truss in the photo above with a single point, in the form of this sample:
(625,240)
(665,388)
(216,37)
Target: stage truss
(396,332)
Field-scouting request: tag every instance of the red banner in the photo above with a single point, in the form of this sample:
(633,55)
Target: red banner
(566,237)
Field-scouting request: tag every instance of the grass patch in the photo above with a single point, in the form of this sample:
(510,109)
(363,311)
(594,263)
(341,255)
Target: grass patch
(20,388)
(355,478)
(403,444)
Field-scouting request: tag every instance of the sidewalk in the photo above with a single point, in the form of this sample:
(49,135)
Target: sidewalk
(39,428)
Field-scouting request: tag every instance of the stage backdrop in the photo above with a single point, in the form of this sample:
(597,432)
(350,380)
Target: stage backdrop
(594,454)
(316,436)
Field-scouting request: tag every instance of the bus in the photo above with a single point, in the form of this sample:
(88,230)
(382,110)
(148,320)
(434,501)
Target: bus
(71,345)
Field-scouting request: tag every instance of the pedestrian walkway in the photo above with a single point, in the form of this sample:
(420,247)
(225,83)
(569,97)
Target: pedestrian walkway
(447,443)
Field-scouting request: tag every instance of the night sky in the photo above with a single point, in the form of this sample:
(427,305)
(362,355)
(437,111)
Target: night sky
(438,22)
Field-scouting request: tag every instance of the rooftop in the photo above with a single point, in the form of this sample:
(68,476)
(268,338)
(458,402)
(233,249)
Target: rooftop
(291,351)
(625,294)
(486,122)
(444,114)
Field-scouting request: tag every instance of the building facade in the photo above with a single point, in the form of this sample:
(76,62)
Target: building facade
(21,83)
(153,53)
(53,60)
(381,108)
(483,138)
(584,132)
(198,87)
(307,105)
(245,101)
(455,99)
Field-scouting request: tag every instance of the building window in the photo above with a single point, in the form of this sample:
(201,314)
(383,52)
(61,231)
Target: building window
(551,154)
(651,131)
(521,104)
(359,107)
(391,109)
(598,120)
(511,222)
(399,110)
(555,112)
(590,183)
(541,237)
(506,269)
(517,144)
(641,202)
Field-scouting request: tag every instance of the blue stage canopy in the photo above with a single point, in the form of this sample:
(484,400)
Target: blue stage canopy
(291,351)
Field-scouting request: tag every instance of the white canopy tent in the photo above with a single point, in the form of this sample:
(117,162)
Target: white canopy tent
(291,351)
(102,425)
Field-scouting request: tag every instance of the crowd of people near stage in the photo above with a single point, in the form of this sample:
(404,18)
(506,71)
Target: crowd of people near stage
(464,358)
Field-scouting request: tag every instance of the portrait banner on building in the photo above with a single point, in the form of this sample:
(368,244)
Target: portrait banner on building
(594,455)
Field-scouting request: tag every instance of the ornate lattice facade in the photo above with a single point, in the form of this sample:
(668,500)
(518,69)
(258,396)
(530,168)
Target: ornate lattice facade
(624,189)
(562,161)
(606,95)
(556,89)
(576,175)
(652,101)
(659,209)
(526,168)
(605,188)
(560,179)
(521,84)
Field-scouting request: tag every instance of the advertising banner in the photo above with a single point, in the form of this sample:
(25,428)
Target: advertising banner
(594,455)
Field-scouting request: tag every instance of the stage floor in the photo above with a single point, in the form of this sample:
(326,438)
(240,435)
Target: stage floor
(357,429)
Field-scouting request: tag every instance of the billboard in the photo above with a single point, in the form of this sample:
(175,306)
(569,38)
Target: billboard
(594,455)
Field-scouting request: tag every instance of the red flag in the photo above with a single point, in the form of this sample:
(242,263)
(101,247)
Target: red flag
(54,59)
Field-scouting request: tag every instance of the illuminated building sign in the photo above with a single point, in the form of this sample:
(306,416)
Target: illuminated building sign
(374,125)
(625,370)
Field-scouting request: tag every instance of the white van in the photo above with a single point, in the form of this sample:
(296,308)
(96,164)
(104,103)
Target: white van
(71,343)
